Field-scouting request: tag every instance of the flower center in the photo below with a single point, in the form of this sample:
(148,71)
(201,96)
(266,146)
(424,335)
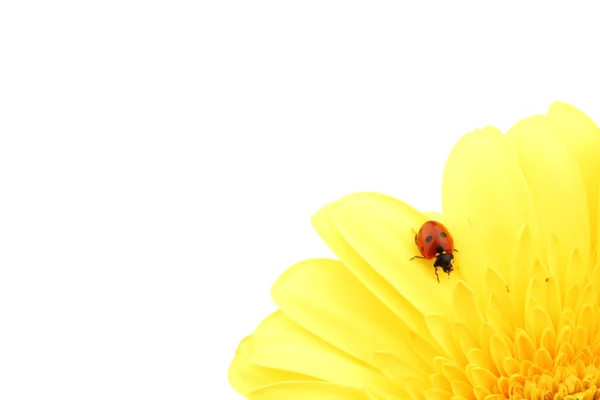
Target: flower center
(572,377)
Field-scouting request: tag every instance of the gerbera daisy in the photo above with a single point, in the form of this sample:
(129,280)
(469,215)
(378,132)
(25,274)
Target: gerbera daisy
(517,318)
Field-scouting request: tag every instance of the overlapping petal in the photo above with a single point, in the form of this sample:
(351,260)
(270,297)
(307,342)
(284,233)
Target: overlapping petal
(280,343)
(367,274)
(488,206)
(582,136)
(328,300)
(558,192)
(381,230)
(245,376)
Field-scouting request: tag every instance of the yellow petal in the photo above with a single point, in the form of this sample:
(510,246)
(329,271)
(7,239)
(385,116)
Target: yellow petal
(524,346)
(466,309)
(511,366)
(556,186)
(481,377)
(376,395)
(540,323)
(483,183)
(548,340)
(453,372)
(572,296)
(367,275)
(244,376)
(583,136)
(553,300)
(568,318)
(465,339)
(483,359)
(437,394)
(304,390)
(523,263)
(328,300)
(381,230)
(462,389)
(538,282)
(500,309)
(423,349)
(414,388)
(280,343)
(481,393)
(440,326)
(543,359)
(499,351)
(587,299)
(587,319)
(440,381)
(397,369)
(580,338)
(486,331)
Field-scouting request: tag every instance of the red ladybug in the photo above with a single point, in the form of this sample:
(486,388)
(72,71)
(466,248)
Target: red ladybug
(434,241)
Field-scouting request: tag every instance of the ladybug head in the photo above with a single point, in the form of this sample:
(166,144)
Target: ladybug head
(444,261)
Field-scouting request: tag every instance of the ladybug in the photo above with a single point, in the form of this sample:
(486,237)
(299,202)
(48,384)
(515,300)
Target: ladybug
(434,241)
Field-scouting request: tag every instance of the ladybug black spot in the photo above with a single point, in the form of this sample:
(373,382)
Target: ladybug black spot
(422,249)
(428,238)
(443,234)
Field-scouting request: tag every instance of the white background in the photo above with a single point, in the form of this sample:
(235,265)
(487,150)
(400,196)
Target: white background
(160,161)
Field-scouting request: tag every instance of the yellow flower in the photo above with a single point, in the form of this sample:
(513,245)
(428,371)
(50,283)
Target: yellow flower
(518,318)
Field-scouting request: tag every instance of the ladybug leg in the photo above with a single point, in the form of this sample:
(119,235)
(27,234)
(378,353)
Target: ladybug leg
(415,232)
(455,250)
(436,274)
(416,257)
